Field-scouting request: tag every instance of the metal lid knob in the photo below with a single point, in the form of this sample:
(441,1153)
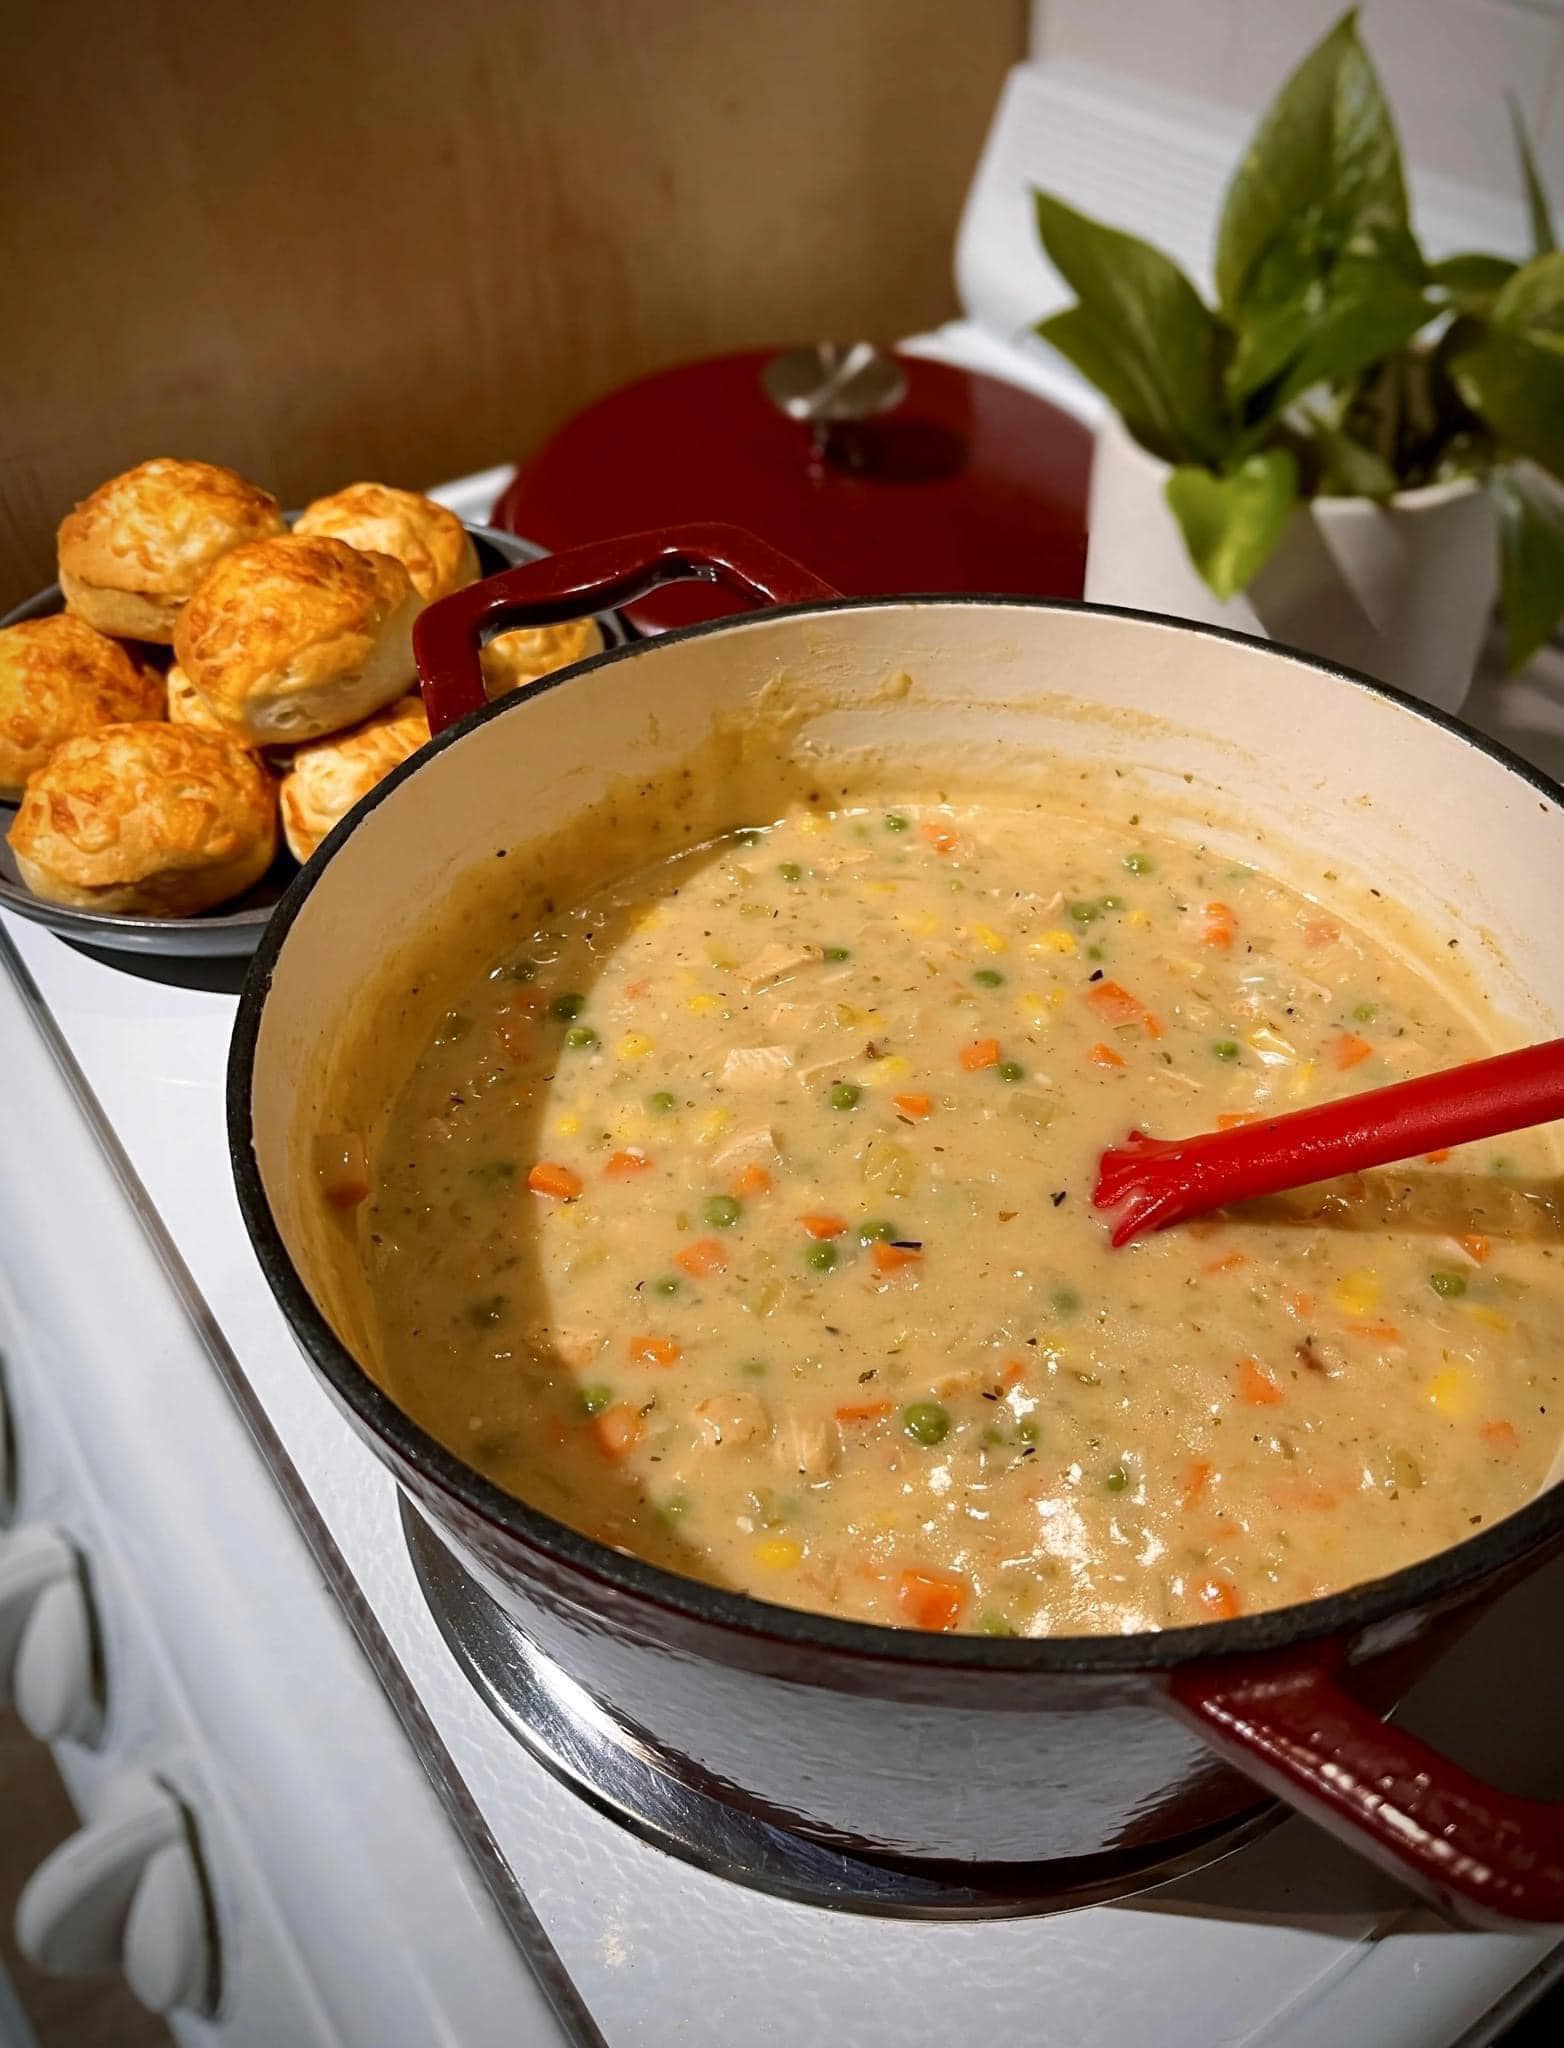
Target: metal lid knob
(834,382)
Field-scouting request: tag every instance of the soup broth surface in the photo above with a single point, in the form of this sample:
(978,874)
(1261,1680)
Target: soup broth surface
(740,1216)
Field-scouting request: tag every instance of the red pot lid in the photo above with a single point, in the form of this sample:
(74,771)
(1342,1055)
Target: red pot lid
(969,483)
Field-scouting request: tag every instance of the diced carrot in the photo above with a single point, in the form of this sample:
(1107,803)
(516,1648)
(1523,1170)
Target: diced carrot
(1233,1119)
(914,1105)
(941,837)
(1219,926)
(701,1259)
(1220,1599)
(1256,1386)
(1197,1477)
(1319,931)
(1105,1056)
(1500,1436)
(548,1178)
(1301,1304)
(1379,1333)
(1230,1264)
(1113,1002)
(1476,1246)
(1013,1374)
(754,1180)
(895,1258)
(1349,1050)
(654,1351)
(342,1164)
(823,1226)
(863,1411)
(1300,1493)
(617,1430)
(1437,1158)
(625,1165)
(932,1599)
(982,1052)
(638,988)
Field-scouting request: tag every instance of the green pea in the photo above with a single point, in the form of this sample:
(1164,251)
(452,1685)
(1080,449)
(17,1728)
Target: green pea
(820,1258)
(1084,913)
(895,822)
(995,1625)
(1011,1070)
(1138,863)
(1065,1301)
(581,1038)
(673,1507)
(926,1422)
(1116,1479)
(790,871)
(666,1283)
(992,1436)
(836,954)
(567,1007)
(722,1211)
(1028,1431)
(1094,952)
(1451,1285)
(595,1399)
(845,1095)
(661,1102)
(1224,1049)
(484,1314)
(876,1231)
(988,977)
(1364,1013)
(1112,903)
(753,1368)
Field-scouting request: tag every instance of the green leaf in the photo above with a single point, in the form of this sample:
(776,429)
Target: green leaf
(1512,373)
(1141,333)
(1324,165)
(1231,523)
(1543,239)
(1531,564)
(1474,281)
(1347,468)
(1328,324)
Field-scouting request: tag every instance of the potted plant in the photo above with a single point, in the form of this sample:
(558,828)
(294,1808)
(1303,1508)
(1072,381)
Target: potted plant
(1346,452)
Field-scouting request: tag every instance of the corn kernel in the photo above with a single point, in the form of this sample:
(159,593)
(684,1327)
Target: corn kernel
(635,1045)
(1034,1003)
(893,1067)
(566,1126)
(848,1015)
(1137,919)
(1302,1081)
(1450,1392)
(702,1006)
(922,924)
(809,822)
(778,1553)
(707,1131)
(1357,1294)
(1056,999)
(990,940)
(878,888)
(1057,941)
(1490,1317)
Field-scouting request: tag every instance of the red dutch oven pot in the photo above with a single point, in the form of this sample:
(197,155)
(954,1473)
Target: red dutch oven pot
(1090,1764)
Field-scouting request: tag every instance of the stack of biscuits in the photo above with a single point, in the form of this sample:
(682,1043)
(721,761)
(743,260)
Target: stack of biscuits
(217,681)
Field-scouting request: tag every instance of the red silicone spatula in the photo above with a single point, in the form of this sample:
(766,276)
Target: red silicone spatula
(1154,1182)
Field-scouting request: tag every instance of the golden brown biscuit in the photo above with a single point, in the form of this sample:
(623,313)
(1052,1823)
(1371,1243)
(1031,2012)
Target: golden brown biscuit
(290,638)
(58,678)
(132,553)
(328,777)
(186,705)
(431,544)
(512,660)
(147,821)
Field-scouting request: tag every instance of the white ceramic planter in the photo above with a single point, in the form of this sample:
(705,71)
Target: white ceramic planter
(1403,591)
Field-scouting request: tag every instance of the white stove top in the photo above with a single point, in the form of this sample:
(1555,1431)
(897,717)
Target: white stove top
(1290,1942)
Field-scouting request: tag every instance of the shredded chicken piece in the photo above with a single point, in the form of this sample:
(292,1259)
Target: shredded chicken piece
(754,1066)
(830,1058)
(754,1145)
(808,1447)
(825,858)
(727,1421)
(576,1344)
(775,963)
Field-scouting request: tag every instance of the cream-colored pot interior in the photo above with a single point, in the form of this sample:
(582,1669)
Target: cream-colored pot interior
(1276,759)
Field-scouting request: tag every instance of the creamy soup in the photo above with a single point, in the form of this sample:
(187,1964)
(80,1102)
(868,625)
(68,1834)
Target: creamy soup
(740,1216)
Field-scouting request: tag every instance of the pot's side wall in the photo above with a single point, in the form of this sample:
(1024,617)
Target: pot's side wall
(1404,591)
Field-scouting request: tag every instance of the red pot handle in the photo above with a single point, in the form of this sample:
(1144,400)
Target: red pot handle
(598,577)
(1288,1723)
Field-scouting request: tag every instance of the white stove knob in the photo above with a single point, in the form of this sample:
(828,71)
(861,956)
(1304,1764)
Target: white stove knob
(126,1891)
(54,1679)
(32,1559)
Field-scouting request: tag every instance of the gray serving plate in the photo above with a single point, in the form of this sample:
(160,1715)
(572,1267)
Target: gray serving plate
(235,929)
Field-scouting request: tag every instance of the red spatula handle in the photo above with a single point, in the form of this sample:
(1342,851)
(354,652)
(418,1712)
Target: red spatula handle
(1161,1182)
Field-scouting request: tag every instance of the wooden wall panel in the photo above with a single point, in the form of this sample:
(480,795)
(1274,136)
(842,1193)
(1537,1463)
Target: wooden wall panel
(373,237)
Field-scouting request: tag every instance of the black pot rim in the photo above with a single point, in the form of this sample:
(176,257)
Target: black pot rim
(1445,1578)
